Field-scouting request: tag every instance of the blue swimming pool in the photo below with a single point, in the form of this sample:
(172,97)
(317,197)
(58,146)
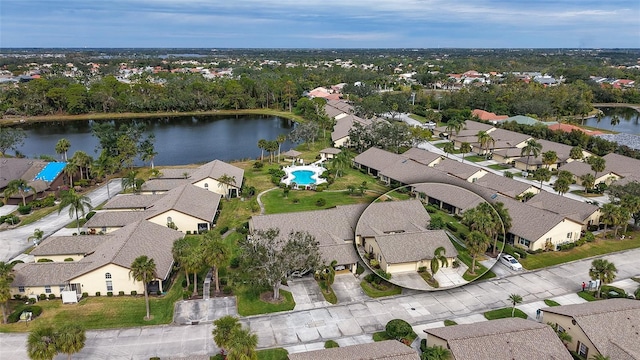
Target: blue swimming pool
(303,177)
(50,171)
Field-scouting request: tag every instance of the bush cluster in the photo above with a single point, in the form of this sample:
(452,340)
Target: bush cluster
(24,209)
(10,219)
(15,315)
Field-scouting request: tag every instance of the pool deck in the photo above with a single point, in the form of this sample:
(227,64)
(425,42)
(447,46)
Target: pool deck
(317,171)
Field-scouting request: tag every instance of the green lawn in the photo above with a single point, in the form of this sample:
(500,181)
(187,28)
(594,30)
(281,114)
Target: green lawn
(503,314)
(499,167)
(448,322)
(598,247)
(475,158)
(375,293)
(550,302)
(249,303)
(273,354)
(416,117)
(381,336)
(329,295)
(306,200)
(104,312)
(587,296)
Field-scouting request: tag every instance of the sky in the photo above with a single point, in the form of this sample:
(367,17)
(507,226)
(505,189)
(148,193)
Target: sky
(320,23)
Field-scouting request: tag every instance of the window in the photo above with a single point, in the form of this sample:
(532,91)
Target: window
(560,328)
(569,235)
(47,289)
(524,242)
(104,229)
(107,276)
(582,350)
(61,288)
(109,285)
(206,186)
(21,288)
(169,220)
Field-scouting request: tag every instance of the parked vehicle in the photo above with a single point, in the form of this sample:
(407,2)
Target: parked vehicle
(510,262)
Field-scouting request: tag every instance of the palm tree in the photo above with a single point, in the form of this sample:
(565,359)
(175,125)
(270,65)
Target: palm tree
(449,148)
(436,353)
(77,204)
(147,150)
(226,180)
(549,158)
(132,181)
(455,125)
(37,236)
(484,139)
(262,144)
(82,161)
(615,120)
(280,140)
(542,174)
(143,269)
(70,339)
(439,260)
(6,278)
(597,163)
(502,223)
(607,214)
(225,328)
(587,181)
(515,299)
(465,147)
(477,243)
(62,146)
(180,251)
(102,168)
(242,345)
(341,162)
(215,254)
(603,270)
(561,186)
(631,204)
(41,343)
(576,153)
(599,116)
(531,147)
(70,170)
(193,264)
(599,357)
(17,186)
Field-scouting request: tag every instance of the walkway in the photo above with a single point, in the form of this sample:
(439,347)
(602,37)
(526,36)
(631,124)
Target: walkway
(14,241)
(347,323)
(259,199)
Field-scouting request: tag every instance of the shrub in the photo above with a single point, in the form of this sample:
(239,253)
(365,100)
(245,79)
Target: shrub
(89,215)
(330,344)
(321,202)
(14,262)
(374,263)
(383,274)
(85,295)
(109,293)
(45,260)
(258,165)
(15,315)
(17,297)
(120,293)
(235,262)
(436,223)
(455,264)
(359,269)
(431,209)
(448,322)
(24,209)
(588,236)
(97,293)
(188,232)
(610,292)
(451,227)
(422,269)
(11,219)
(52,297)
(68,259)
(42,297)
(224,229)
(398,329)
(521,252)
(134,293)
(369,278)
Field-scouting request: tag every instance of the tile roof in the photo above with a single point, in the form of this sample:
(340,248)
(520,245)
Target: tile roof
(503,339)
(190,200)
(487,116)
(611,325)
(569,128)
(574,209)
(131,201)
(387,216)
(410,247)
(460,198)
(383,350)
(67,245)
(215,169)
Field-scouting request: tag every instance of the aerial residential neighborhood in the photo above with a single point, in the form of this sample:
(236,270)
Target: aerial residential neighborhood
(365,180)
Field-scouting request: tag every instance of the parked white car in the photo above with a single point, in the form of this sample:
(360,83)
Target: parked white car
(510,262)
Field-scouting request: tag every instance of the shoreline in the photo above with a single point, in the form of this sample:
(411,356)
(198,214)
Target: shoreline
(16,120)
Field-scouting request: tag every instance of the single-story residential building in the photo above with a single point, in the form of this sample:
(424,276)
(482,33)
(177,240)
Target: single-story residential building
(447,197)
(329,153)
(41,176)
(562,151)
(101,263)
(502,339)
(382,350)
(506,186)
(580,211)
(580,168)
(606,327)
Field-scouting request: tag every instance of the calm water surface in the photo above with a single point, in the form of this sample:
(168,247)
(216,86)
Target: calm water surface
(629,120)
(179,140)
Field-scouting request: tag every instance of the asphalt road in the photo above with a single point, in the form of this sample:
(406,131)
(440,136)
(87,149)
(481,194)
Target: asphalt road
(15,241)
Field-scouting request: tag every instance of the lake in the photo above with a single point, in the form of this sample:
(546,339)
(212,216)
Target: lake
(629,120)
(179,140)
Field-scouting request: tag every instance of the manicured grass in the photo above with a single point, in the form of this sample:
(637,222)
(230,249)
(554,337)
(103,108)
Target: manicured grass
(426,276)
(329,295)
(276,203)
(499,167)
(36,215)
(550,302)
(598,247)
(74,224)
(584,194)
(475,158)
(249,303)
(482,273)
(416,117)
(273,354)
(381,336)
(503,314)
(105,312)
(448,322)
(331,344)
(587,296)
(375,293)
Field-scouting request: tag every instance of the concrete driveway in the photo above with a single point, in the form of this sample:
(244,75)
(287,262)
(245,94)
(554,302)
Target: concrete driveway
(347,289)
(306,293)
(191,312)
(14,241)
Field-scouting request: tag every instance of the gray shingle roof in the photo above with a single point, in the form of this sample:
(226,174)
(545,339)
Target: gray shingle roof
(407,171)
(410,247)
(67,245)
(393,216)
(460,198)
(215,169)
(162,184)
(611,325)
(383,350)
(378,159)
(622,165)
(131,201)
(577,168)
(503,184)
(190,200)
(175,173)
(421,156)
(574,209)
(15,168)
(344,124)
(117,218)
(529,222)
(503,339)
(47,273)
(456,168)
(333,151)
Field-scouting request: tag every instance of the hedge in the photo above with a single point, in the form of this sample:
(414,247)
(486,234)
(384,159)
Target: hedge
(15,315)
